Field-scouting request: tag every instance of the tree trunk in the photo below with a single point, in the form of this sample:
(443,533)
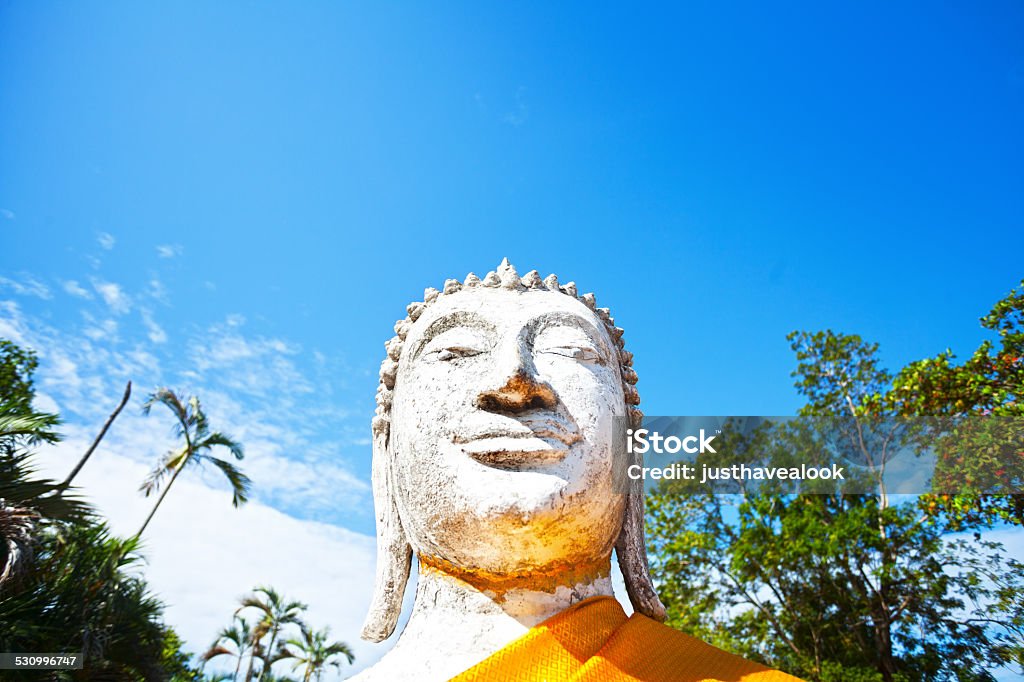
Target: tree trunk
(270,654)
(103,432)
(252,657)
(883,624)
(163,494)
(885,662)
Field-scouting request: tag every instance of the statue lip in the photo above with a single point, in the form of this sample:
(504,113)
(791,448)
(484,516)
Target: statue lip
(514,453)
(525,428)
(517,446)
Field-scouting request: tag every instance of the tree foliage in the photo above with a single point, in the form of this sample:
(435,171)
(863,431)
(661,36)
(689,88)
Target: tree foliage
(17,366)
(991,383)
(81,596)
(66,583)
(259,645)
(193,427)
(275,612)
(314,652)
(852,587)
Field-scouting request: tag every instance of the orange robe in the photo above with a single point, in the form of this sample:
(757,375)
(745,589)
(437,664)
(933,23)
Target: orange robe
(594,641)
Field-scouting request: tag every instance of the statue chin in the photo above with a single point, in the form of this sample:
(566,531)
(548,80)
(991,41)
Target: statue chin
(529,523)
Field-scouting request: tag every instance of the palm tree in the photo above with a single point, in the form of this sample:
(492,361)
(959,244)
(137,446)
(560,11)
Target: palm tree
(239,634)
(276,613)
(314,651)
(27,503)
(86,595)
(193,427)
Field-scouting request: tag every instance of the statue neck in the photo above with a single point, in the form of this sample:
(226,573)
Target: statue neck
(461,617)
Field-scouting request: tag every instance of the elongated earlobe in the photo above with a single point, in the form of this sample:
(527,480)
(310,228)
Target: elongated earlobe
(632,553)
(394,555)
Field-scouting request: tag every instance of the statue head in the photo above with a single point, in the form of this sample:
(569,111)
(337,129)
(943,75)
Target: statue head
(494,447)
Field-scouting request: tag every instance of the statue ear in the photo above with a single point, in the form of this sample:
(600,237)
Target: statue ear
(394,555)
(632,554)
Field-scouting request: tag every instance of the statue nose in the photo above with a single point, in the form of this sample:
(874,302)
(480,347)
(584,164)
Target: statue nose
(520,389)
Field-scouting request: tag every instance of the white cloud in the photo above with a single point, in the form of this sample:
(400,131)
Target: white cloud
(155,332)
(257,365)
(12,323)
(253,388)
(169,250)
(203,555)
(106,240)
(113,295)
(102,331)
(320,486)
(157,291)
(75,289)
(27,285)
(262,390)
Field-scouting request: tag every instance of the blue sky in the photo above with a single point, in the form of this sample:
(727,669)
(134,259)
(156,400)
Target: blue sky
(239,199)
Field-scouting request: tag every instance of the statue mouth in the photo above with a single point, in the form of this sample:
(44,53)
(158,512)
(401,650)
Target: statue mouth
(514,454)
(524,444)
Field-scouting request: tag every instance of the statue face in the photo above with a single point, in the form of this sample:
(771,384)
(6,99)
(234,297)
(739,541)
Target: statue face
(501,432)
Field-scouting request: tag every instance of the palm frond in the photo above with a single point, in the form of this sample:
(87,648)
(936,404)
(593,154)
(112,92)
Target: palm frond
(170,399)
(193,426)
(251,602)
(169,463)
(240,483)
(314,651)
(214,652)
(197,418)
(20,487)
(237,634)
(272,595)
(282,653)
(218,438)
(33,427)
(339,649)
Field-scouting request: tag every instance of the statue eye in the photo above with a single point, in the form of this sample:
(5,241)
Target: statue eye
(580,353)
(455,352)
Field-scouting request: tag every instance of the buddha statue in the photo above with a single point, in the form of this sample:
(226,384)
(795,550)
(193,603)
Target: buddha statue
(498,465)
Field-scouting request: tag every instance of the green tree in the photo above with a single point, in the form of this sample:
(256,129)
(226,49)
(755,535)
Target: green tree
(27,505)
(240,638)
(69,585)
(833,586)
(176,663)
(27,502)
(194,429)
(84,594)
(275,613)
(314,652)
(990,382)
(17,366)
